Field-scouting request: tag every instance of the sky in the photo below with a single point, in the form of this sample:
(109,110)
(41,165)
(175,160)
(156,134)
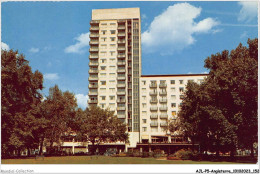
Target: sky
(176,36)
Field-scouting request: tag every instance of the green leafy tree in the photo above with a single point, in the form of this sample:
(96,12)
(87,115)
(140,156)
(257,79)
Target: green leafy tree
(100,126)
(59,110)
(20,94)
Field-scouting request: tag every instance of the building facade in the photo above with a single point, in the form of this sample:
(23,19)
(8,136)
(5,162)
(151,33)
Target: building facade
(115,64)
(144,102)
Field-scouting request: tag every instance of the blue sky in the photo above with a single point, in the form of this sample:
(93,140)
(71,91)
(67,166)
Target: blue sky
(176,36)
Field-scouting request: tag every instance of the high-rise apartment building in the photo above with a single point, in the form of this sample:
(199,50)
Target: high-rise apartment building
(115,65)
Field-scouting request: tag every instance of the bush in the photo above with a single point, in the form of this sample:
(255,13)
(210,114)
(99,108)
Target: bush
(137,153)
(145,155)
(157,153)
(185,154)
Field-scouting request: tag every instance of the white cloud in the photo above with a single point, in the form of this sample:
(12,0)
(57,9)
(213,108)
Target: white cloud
(173,29)
(244,35)
(82,100)
(248,11)
(51,76)
(205,72)
(34,50)
(4,46)
(143,16)
(79,47)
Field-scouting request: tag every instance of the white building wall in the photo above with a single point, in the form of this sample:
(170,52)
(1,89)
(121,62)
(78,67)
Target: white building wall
(172,96)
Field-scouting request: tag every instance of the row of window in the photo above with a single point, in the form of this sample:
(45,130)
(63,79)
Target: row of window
(173,82)
(181,89)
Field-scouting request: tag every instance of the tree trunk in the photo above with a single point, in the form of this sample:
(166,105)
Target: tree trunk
(93,147)
(28,151)
(252,150)
(41,145)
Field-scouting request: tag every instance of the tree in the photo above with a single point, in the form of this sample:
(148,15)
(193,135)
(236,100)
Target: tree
(223,110)
(59,111)
(100,126)
(20,95)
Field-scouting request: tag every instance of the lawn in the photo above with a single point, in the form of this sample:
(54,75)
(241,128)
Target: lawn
(103,160)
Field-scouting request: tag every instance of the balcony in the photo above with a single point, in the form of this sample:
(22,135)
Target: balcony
(93,56)
(153,85)
(163,100)
(120,77)
(93,93)
(121,21)
(93,42)
(154,116)
(120,100)
(153,92)
(121,34)
(93,63)
(164,108)
(122,108)
(154,108)
(92,28)
(121,116)
(121,27)
(92,86)
(121,70)
(153,101)
(163,85)
(154,124)
(163,93)
(93,71)
(121,85)
(92,35)
(121,48)
(163,124)
(121,56)
(93,49)
(121,41)
(120,93)
(92,101)
(163,116)
(94,22)
(120,63)
(93,78)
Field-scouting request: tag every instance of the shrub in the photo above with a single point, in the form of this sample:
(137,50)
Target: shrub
(145,154)
(137,153)
(157,153)
(184,154)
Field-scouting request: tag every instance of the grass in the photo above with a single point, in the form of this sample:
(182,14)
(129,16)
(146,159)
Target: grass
(103,160)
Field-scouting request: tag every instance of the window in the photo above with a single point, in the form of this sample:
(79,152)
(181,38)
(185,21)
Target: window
(103,60)
(112,53)
(111,89)
(144,129)
(181,96)
(112,67)
(102,105)
(103,68)
(144,97)
(103,82)
(154,129)
(173,97)
(173,105)
(112,38)
(102,90)
(190,81)
(103,46)
(103,39)
(102,74)
(103,32)
(181,89)
(113,31)
(144,112)
(103,23)
(103,97)
(103,53)
(112,59)
(143,82)
(181,81)
(172,82)
(111,97)
(112,23)
(112,74)
(172,89)
(112,82)
(173,113)
(144,120)
(144,90)
(112,45)
(144,105)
